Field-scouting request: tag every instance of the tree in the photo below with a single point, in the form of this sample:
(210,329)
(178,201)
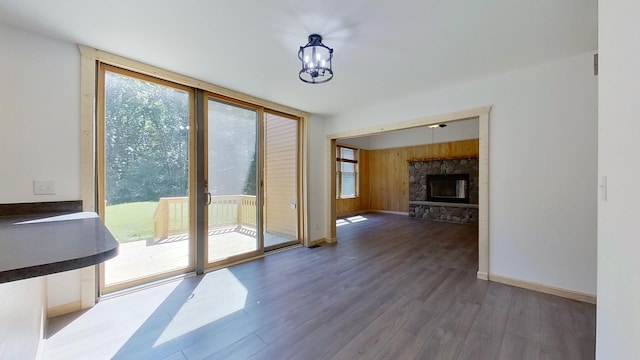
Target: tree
(147,143)
(146,140)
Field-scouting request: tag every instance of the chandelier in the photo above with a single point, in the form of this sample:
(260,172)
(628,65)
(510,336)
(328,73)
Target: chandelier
(316,61)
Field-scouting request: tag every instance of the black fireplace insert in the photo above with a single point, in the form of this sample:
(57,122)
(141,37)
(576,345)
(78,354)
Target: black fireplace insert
(451,188)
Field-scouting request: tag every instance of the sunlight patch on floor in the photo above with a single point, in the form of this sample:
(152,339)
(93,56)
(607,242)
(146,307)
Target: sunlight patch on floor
(230,296)
(350,220)
(74,337)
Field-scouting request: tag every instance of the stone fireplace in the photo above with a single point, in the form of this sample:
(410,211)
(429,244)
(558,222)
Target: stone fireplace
(444,190)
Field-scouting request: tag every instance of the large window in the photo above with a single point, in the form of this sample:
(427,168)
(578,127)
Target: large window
(347,172)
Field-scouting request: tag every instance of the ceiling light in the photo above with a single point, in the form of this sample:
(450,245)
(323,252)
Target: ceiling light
(436,126)
(316,61)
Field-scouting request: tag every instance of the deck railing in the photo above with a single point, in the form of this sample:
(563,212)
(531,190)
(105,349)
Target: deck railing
(172,214)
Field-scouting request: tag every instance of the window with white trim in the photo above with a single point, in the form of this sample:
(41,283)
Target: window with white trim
(346,172)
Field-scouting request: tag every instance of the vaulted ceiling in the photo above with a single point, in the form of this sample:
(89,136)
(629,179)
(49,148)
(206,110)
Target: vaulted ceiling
(382,49)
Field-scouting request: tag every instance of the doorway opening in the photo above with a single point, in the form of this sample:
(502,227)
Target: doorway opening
(482,116)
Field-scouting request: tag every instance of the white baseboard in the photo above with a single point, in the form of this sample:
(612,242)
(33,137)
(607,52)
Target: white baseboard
(64,309)
(483,275)
(565,293)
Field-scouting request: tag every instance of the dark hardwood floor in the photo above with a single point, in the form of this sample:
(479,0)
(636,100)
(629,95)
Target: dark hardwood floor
(392,288)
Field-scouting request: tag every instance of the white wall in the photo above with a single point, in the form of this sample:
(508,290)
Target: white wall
(542,166)
(317,163)
(454,131)
(39,102)
(618,325)
(40,128)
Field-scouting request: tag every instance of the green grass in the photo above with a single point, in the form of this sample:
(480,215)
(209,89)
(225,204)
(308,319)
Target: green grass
(134,221)
(131,221)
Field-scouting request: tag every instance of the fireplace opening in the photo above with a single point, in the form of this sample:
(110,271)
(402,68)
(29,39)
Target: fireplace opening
(451,188)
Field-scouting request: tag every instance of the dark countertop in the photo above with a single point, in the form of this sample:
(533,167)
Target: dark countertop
(42,244)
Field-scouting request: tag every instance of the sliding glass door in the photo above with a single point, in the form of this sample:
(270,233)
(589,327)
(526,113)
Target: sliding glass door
(144,154)
(232,180)
(248,161)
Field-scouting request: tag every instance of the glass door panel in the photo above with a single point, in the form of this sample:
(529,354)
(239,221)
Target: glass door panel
(144,157)
(280,181)
(232,178)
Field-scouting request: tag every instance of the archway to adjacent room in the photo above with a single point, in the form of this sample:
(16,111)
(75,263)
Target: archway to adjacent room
(482,114)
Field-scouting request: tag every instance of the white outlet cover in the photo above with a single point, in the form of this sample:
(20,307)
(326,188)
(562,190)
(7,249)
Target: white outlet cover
(44,187)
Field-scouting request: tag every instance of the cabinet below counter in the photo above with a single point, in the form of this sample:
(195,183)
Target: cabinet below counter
(43,244)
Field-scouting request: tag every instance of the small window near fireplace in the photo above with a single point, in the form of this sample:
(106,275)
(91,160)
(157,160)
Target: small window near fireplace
(452,188)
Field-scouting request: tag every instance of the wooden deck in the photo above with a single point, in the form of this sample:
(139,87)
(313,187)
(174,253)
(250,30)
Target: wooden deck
(392,288)
(138,259)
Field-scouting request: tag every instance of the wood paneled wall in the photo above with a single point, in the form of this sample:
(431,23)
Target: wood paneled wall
(384,176)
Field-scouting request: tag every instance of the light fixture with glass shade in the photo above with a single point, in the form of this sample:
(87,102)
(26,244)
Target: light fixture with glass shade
(433,127)
(316,61)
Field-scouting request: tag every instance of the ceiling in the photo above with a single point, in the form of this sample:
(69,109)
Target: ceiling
(382,49)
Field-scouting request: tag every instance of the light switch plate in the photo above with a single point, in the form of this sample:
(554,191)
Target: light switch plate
(41,187)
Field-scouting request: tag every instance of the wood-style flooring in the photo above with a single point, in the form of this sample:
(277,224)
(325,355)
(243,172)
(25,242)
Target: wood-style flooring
(392,288)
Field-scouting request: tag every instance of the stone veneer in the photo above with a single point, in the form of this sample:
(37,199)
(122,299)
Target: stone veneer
(439,211)
(449,212)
